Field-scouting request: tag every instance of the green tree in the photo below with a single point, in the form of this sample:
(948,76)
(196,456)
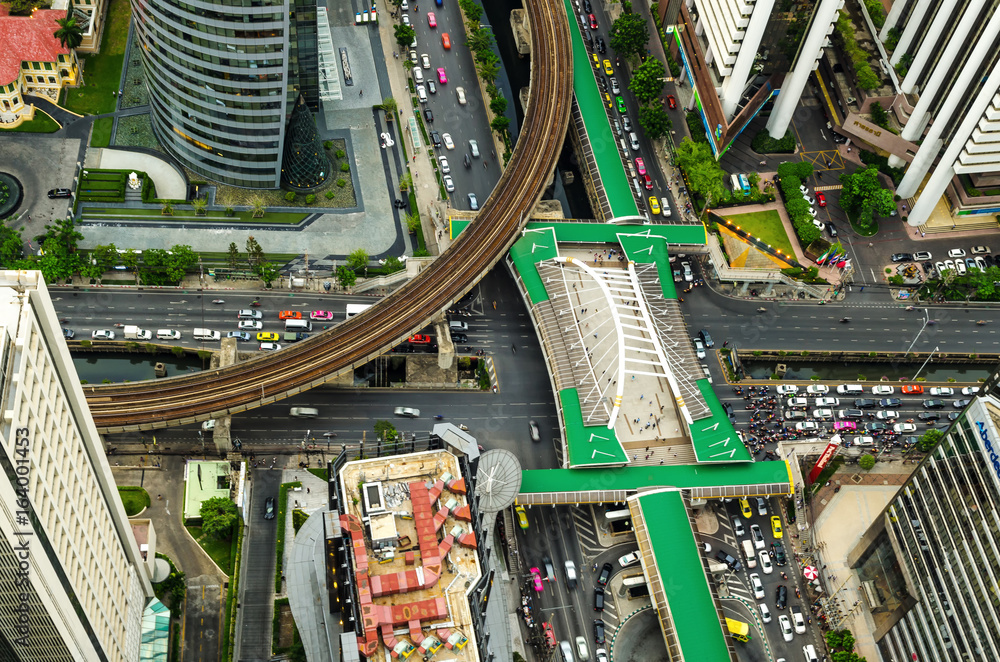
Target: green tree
(498,105)
(929,440)
(11,246)
(704,173)
(648,80)
(654,120)
(346,277)
(472,11)
(257,206)
(218,517)
(404,35)
(180,261)
(413,223)
(358,259)
(387,432)
(863,196)
(255,254)
(867,80)
(879,116)
(629,35)
(488,71)
(199,205)
(393,264)
(480,41)
(500,124)
(69,34)
(866,462)
(267,272)
(22,7)
(234,256)
(390,107)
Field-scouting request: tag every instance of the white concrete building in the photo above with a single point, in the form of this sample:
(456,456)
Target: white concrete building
(73,584)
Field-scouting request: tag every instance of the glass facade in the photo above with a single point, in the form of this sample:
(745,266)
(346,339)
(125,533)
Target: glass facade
(929,565)
(220,75)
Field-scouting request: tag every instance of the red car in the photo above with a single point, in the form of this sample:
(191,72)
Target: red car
(648,182)
(640,165)
(446,41)
(593,21)
(432,20)
(820,199)
(536,579)
(671,101)
(420,339)
(550,636)
(912,389)
(289,315)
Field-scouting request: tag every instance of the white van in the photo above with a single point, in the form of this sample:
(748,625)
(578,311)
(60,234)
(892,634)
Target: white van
(167,334)
(206,334)
(850,389)
(298,325)
(749,553)
(734,182)
(422,93)
(809,653)
(633,141)
(303,412)
(456,325)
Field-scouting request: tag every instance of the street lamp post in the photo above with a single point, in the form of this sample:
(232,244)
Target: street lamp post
(924,364)
(926,321)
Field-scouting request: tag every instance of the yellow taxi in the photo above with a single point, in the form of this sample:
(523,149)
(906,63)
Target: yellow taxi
(654,205)
(744,504)
(597,61)
(776,527)
(607,100)
(607,67)
(266,336)
(522,517)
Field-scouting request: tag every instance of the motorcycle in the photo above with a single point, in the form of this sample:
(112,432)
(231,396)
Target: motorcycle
(119,326)
(463,427)
(438,417)
(909,308)
(254,304)
(980,322)
(762,310)
(845,320)
(218,301)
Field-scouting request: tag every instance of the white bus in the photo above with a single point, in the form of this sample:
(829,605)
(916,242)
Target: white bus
(298,325)
(356,308)
(612,515)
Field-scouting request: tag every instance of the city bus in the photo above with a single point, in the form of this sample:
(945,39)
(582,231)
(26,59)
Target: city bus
(356,308)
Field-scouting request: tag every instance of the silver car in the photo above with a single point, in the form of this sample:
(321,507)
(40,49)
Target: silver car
(474,148)
(407,412)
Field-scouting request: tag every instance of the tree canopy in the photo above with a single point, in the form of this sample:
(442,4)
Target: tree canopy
(218,517)
(629,35)
(69,34)
(654,120)
(404,35)
(648,80)
(704,174)
(863,196)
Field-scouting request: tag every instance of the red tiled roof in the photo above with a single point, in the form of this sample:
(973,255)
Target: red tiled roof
(29,39)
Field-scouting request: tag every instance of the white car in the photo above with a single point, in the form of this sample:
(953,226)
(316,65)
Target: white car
(827,402)
(474,148)
(250,325)
(425,60)
(445,168)
(817,389)
(765,613)
(981,250)
(863,441)
(956,252)
(757,586)
(804,189)
(922,256)
(460,93)
(941,390)
(448,142)
(822,414)
(422,93)
(949,265)
(808,198)
(269,347)
(765,562)
(762,506)
(418,75)
(758,537)
(787,389)
(904,427)
(786,627)
(103,334)
(960,267)
(807,426)
(581,648)
(449,183)
(167,334)
(883,390)
(406,412)
(699,349)
(970,390)
(628,559)
(886,415)
(798,620)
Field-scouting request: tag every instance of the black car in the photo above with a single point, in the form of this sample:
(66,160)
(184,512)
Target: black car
(875,427)
(953,416)
(601,46)
(889,402)
(929,416)
(459,337)
(436,138)
(733,564)
(781,597)
(779,554)
(428,114)
(902,257)
(729,411)
(60,193)
(602,579)
(69,334)
(598,599)
(832,229)
(598,631)
(933,404)
(864,403)
(587,7)
(269,508)
(707,339)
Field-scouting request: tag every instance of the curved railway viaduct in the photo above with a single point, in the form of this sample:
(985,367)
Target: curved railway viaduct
(233,389)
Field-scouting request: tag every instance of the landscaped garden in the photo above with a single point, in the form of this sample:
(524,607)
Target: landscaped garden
(102,71)
(42,123)
(766,226)
(100,136)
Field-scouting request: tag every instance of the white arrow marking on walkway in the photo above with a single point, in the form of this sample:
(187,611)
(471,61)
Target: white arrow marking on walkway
(537,246)
(597,452)
(594,435)
(729,453)
(724,442)
(647,249)
(712,427)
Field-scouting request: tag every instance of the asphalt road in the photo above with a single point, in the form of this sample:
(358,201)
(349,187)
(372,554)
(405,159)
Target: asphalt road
(257,584)
(463,122)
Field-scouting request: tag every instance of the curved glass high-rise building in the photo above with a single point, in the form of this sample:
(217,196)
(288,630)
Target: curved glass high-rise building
(222,79)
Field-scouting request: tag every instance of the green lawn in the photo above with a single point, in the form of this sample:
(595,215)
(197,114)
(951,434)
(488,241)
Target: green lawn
(181,214)
(101,135)
(764,225)
(42,123)
(134,499)
(219,550)
(102,71)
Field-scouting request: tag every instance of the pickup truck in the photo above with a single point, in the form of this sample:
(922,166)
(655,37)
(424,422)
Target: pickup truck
(135,333)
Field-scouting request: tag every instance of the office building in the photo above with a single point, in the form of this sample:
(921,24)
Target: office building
(223,78)
(927,565)
(73,585)
(739,54)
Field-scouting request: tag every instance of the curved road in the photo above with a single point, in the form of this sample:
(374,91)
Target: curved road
(150,405)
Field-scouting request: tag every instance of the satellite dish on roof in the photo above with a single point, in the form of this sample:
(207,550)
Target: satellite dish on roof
(498,480)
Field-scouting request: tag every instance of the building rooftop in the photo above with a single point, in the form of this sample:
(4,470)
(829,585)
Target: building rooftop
(413,554)
(28,39)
